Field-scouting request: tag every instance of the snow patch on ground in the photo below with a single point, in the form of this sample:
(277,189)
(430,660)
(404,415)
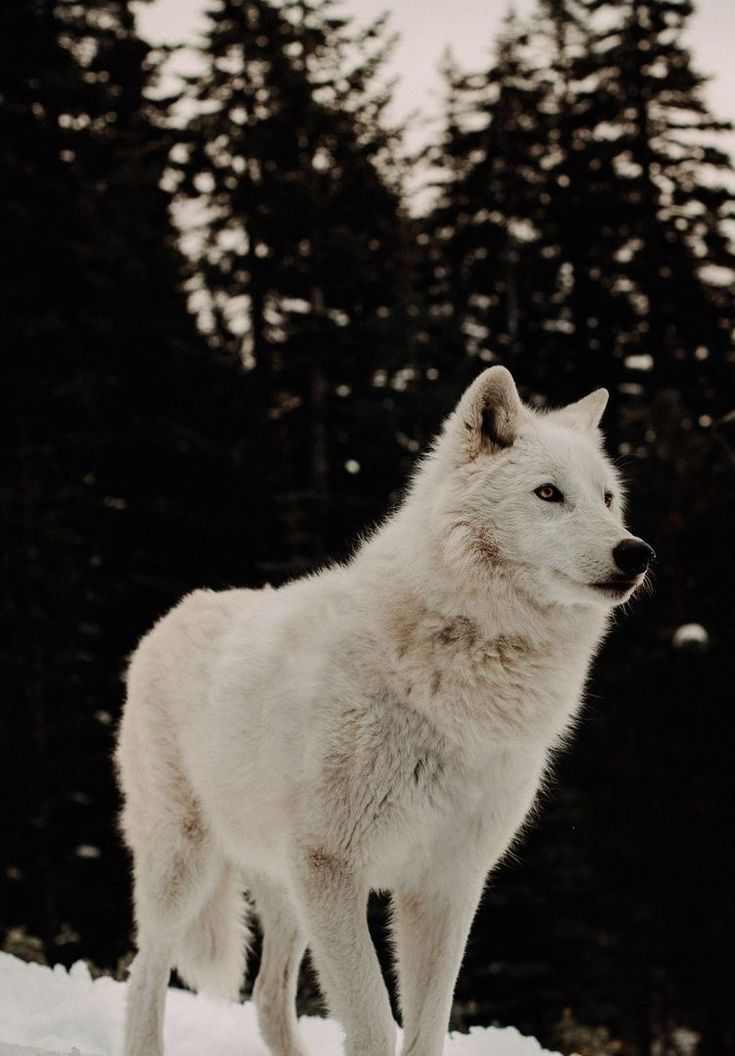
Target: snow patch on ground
(691,636)
(46,1011)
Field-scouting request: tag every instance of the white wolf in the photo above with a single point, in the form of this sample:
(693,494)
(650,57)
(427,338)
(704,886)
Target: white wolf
(380,725)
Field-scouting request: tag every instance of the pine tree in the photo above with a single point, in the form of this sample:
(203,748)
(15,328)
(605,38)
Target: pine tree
(43,231)
(299,268)
(581,209)
(673,261)
(496,268)
(583,171)
(118,433)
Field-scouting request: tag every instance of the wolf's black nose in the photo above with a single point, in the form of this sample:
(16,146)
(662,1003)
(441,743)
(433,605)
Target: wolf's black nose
(633,556)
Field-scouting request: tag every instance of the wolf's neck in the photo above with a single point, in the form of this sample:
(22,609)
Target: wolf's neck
(503,674)
(406,569)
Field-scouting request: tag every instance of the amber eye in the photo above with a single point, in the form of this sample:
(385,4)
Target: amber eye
(608,498)
(549,493)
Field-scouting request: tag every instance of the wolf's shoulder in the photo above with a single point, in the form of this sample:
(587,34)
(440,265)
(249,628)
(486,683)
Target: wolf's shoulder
(255,614)
(205,606)
(195,622)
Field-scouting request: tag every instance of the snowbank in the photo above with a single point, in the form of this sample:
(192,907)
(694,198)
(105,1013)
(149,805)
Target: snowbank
(691,636)
(45,1010)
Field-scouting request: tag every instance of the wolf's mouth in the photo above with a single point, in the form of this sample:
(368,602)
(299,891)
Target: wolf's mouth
(617,586)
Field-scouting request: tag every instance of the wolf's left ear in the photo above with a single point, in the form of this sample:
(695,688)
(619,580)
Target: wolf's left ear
(586,413)
(490,412)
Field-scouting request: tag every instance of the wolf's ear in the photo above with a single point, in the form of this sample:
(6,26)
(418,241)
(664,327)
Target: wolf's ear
(489,413)
(586,413)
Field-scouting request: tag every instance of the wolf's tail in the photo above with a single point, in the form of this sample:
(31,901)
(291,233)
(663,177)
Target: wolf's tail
(210,957)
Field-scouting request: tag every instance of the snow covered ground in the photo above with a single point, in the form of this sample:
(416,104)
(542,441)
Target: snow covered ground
(45,1010)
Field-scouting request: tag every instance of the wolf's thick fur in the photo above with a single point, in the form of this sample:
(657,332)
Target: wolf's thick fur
(383,724)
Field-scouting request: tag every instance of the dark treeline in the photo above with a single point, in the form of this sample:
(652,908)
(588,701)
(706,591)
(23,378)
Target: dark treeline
(233,407)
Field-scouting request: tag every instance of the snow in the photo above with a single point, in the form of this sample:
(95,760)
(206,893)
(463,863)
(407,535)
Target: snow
(691,636)
(46,1011)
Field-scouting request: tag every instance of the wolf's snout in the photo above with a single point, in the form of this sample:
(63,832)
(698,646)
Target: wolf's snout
(633,556)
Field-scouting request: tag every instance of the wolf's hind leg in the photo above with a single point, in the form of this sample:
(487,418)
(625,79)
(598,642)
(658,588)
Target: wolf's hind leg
(210,955)
(274,993)
(174,880)
(187,906)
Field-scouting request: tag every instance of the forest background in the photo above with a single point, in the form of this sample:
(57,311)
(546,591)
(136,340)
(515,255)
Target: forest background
(233,403)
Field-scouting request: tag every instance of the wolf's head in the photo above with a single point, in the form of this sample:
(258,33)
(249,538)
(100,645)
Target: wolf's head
(530,496)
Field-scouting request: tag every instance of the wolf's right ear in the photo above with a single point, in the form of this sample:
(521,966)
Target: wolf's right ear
(586,413)
(489,414)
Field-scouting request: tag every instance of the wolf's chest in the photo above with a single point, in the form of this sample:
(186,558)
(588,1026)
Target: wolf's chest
(502,689)
(455,815)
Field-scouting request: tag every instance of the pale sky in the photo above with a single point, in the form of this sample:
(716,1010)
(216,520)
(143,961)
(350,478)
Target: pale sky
(469,27)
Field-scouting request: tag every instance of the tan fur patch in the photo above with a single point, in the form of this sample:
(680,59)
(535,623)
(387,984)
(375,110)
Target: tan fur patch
(410,904)
(460,630)
(400,630)
(323,860)
(485,546)
(479,542)
(192,823)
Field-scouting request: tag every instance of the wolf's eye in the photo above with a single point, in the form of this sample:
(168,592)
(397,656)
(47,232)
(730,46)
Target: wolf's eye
(549,493)
(608,498)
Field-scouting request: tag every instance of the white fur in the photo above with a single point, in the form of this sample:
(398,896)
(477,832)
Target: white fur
(385,724)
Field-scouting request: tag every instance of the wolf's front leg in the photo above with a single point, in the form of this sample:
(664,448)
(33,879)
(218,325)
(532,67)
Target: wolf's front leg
(334,907)
(431,922)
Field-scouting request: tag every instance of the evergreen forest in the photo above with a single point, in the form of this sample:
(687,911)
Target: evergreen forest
(227,334)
